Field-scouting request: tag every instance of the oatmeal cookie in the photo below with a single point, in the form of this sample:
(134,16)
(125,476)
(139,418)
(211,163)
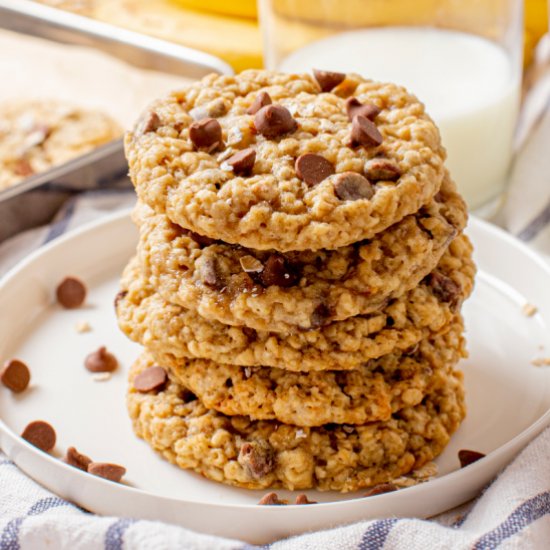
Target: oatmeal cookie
(269,161)
(341,345)
(373,391)
(38,134)
(261,454)
(266,290)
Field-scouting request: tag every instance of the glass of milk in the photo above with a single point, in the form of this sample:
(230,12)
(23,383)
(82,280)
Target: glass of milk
(462,58)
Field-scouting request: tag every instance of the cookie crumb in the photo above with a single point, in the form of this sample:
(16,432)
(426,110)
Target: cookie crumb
(101,376)
(541,362)
(83,326)
(529,310)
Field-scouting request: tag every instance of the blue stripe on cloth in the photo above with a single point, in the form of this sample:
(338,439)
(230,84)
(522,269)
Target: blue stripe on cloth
(60,227)
(7,462)
(521,517)
(536,225)
(114,537)
(9,540)
(375,536)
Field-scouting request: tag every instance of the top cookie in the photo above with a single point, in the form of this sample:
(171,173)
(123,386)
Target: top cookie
(270,161)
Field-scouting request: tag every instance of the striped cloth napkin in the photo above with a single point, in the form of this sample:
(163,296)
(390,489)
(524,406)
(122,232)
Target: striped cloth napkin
(513,512)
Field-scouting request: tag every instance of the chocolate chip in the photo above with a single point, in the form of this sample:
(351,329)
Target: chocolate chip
(251,264)
(443,288)
(271,499)
(364,132)
(71,292)
(380,489)
(467,457)
(261,100)
(327,79)
(206,132)
(355,108)
(320,316)
(149,123)
(101,361)
(377,169)
(313,169)
(351,186)
(209,272)
(278,272)
(201,240)
(76,459)
(106,470)
(258,460)
(274,120)
(15,375)
(243,161)
(40,434)
(151,379)
(120,295)
(302,499)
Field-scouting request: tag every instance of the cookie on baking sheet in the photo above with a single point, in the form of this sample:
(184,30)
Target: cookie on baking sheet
(369,393)
(267,290)
(269,161)
(166,328)
(260,454)
(36,135)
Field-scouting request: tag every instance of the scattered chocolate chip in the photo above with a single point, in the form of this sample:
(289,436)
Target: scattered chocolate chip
(201,240)
(243,161)
(71,292)
(467,457)
(302,499)
(258,460)
(251,264)
(209,272)
(328,80)
(112,472)
(40,434)
(351,186)
(277,272)
(15,375)
(150,123)
(150,379)
(444,288)
(261,100)
(320,316)
(274,120)
(313,169)
(120,295)
(76,459)
(377,169)
(271,499)
(250,333)
(355,108)
(364,132)
(380,489)
(101,361)
(23,168)
(206,132)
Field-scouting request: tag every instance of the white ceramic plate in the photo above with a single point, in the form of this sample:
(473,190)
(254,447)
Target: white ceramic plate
(508,398)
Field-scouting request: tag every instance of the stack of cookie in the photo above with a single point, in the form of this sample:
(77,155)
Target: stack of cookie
(298,282)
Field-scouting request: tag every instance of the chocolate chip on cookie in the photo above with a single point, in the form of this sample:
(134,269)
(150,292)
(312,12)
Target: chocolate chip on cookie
(101,360)
(302,499)
(151,379)
(71,292)
(120,295)
(258,460)
(261,100)
(380,489)
(328,80)
(313,169)
(40,434)
(320,316)
(364,132)
(378,169)
(351,186)
(106,470)
(149,123)
(355,108)
(272,499)
(273,121)
(209,273)
(76,459)
(468,457)
(278,272)
(444,288)
(23,168)
(205,133)
(15,375)
(243,161)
